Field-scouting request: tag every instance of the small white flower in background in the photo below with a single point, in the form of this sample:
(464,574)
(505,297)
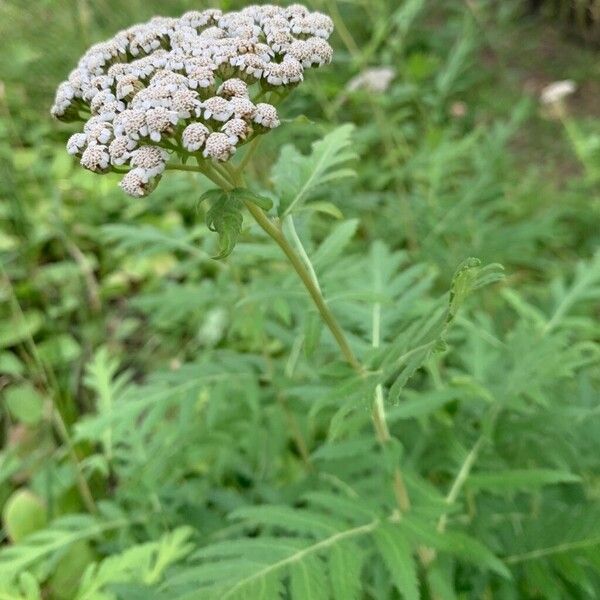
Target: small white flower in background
(187,86)
(557,91)
(376,79)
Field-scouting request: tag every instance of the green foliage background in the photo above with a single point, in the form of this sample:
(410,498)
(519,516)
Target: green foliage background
(228,449)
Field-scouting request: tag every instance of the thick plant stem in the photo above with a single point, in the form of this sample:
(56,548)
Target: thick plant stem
(275,233)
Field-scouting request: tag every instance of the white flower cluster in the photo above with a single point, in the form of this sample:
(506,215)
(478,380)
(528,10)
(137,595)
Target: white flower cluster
(186,86)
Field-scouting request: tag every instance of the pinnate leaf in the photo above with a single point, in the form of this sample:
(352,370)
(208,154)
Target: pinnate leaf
(296,176)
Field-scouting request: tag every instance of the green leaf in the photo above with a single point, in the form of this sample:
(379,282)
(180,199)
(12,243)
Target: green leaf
(470,276)
(10,364)
(101,376)
(303,522)
(225,218)
(308,580)
(313,328)
(212,195)
(345,570)
(397,555)
(422,404)
(335,243)
(30,586)
(68,570)
(324,207)
(405,16)
(59,350)
(246,194)
(25,403)
(54,538)
(453,543)
(519,479)
(296,177)
(23,514)
(15,330)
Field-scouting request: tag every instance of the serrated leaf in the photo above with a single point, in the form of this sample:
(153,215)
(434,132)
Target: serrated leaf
(396,552)
(345,570)
(225,218)
(452,542)
(308,580)
(470,276)
(211,195)
(335,243)
(296,176)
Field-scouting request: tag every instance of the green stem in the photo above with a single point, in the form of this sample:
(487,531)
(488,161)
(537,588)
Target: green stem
(275,233)
(180,167)
(288,222)
(207,171)
(310,281)
(379,419)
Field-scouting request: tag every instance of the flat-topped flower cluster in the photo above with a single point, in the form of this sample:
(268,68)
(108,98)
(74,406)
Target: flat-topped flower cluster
(187,86)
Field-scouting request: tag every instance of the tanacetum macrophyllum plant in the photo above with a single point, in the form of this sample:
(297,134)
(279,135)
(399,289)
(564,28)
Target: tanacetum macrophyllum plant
(187,94)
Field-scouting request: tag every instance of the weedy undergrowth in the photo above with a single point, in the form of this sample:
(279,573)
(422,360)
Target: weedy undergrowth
(285,378)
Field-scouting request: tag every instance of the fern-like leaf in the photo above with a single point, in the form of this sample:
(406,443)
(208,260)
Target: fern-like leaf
(296,177)
(397,555)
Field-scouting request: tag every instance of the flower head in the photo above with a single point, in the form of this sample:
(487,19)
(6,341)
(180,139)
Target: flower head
(557,91)
(172,87)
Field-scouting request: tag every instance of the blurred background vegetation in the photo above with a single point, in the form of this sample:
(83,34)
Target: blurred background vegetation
(458,158)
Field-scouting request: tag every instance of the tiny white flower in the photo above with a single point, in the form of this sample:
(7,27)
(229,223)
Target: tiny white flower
(150,160)
(100,133)
(376,79)
(194,136)
(133,184)
(131,123)
(266,115)
(217,108)
(236,130)
(218,147)
(95,158)
(242,108)
(76,143)
(233,87)
(159,121)
(120,149)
